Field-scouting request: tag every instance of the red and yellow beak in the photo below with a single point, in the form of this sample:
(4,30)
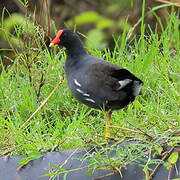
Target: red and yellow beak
(56,40)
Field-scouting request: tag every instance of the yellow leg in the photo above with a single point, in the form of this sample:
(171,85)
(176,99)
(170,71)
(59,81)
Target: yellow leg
(108,123)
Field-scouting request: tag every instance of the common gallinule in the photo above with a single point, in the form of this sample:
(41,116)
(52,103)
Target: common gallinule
(95,82)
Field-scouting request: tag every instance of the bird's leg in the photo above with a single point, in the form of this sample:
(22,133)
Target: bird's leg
(108,123)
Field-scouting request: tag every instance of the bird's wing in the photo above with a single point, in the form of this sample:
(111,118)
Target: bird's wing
(103,79)
(112,75)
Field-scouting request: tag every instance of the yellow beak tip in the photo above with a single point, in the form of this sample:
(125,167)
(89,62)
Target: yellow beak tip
(51,44)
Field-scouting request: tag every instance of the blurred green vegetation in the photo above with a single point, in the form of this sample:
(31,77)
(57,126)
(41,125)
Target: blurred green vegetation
(100,21)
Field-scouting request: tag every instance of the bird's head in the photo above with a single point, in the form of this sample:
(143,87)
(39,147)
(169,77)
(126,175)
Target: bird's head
(64,38)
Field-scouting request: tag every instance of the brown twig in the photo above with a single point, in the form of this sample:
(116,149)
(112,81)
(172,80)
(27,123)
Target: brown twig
(126,129)
(168,2)
(131,130)
(169,173)
(65,162)
(69,157)
(164,157)
(150,137)
(48,5)
(41,83)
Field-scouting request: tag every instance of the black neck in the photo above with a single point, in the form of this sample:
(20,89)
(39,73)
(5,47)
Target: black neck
(75,48)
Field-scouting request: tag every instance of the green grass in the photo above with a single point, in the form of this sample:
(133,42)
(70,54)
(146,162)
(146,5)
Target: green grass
(64,123)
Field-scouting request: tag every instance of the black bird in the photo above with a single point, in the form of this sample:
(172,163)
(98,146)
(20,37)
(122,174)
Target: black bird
(95,82)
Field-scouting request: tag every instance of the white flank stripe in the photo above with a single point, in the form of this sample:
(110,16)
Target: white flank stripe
(77,83)
(91,100)
(85,94)
(80,91)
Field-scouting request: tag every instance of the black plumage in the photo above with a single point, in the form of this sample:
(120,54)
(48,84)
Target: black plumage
(93,81)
